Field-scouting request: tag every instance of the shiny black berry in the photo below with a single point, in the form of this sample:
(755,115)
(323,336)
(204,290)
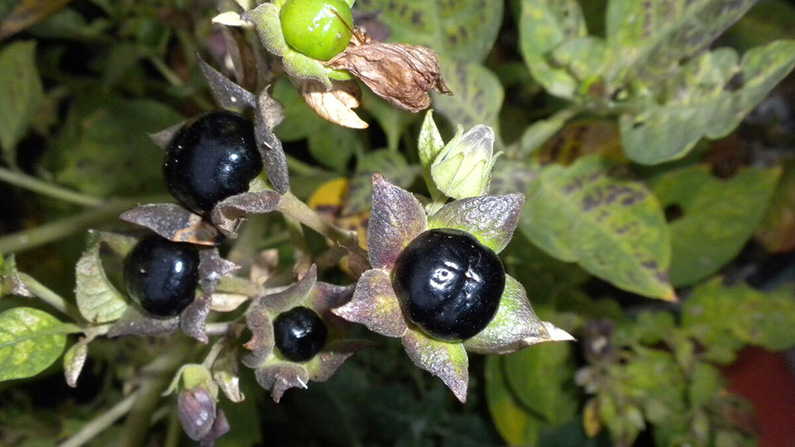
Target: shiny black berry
(211,158)
(299,334)
(448,283)
(162,275)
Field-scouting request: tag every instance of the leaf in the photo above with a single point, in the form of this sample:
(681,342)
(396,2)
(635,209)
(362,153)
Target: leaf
(716,314)
(477,96)
(104,142)
(392,120)
(492,219)
(717,216)
(460,29)
(375,305)
(614,228)
(651,37)
(333,146)
(447,361)
(777,229)
(21,93)
(97,299)
(709,97)
(396,219)
(74,360)
(514,321)
(392,165)
(543,26)
(30,341)
(552,365)
(515,423)
(300,121)
(28,13)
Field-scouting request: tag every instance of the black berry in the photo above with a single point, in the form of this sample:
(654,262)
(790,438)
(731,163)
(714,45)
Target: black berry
(299,334)
(211,158)
(162,275)
(448,283)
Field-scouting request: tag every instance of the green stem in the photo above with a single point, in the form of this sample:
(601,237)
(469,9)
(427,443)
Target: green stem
(51,298)
(53,231)
(291,206)
(158,376)
(100,423)
(34,184)
(297,166)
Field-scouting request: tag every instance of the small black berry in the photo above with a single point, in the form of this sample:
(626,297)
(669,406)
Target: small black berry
(211,158)
(162,275)
(448,283)
(299,334)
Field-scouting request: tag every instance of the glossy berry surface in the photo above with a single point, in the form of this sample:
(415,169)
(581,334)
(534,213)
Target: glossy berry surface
(299,334)
(448,283)
(316,28)
(162,275)
(211,158)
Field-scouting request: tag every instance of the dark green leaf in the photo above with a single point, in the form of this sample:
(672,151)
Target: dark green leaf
(29,12)
(477,96)
(105,149)
(391,164)
(333,146)
(516,424)
(652,37)
(540,377)
(392,120)
(21,94)
(30,341)
(300,121)
(612,226)
(718,216)
(461,29)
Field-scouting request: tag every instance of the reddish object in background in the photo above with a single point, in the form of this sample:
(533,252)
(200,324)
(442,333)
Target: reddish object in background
(765,378)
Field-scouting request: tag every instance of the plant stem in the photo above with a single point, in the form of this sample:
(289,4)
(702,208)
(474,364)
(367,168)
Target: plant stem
(34,184)
(100,423)
(53,231)
(291,206)
(51,298)
(158,375)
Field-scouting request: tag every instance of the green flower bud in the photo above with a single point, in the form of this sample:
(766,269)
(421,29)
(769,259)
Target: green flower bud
(463,167)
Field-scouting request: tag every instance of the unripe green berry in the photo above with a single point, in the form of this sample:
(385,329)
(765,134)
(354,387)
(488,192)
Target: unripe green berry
(316,28)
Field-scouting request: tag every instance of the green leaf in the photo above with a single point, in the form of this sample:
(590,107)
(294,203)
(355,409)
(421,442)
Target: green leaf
(429,144)
(333,146)
(651,37)
(543,26)
(105,141)
(461,29)
(613,227)
(477,96)
(718,216)
(541,131)
(21,94)
(705,384)
(97,299)
(709,97)
(28,13)
(585,58)
(392,120)
(552,365)
(74,360)
(30,341)
(516,424)
(300,121)
(716,314)
(392,165)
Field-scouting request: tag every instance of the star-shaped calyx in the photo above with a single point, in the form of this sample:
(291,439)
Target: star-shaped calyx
(296,338)
(396,221)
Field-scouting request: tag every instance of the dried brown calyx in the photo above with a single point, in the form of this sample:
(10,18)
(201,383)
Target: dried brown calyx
(402,74)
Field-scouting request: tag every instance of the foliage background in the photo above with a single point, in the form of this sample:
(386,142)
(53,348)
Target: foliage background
(579,95)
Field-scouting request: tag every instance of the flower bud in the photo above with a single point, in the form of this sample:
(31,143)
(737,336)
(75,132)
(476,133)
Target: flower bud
(196,411)
(463,167)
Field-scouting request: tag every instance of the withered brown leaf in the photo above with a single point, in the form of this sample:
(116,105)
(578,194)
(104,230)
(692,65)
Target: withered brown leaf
(400,73)
(334,105)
